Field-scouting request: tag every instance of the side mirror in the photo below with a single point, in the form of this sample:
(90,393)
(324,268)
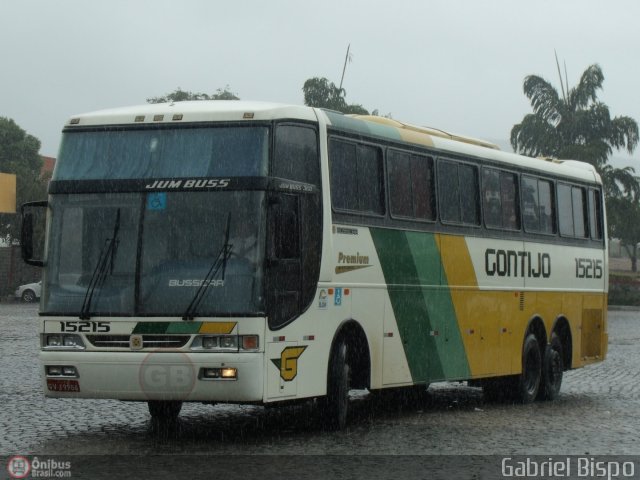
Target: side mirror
(33,231)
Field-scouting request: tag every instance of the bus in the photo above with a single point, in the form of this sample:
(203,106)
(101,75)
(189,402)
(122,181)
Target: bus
(259,253)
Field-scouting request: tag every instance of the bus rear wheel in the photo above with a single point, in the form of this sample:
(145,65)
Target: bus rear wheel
(530,379)
(552,368)
(163,410)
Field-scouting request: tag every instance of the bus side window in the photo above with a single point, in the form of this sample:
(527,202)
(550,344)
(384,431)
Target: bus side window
(411,189)
(286,241)
(572,211)
(538,205)
(360,166)
(469,194)
(398,168)
(343,168)
(448,186)
(595,214)
(459,193)
(296,154)
(500,199)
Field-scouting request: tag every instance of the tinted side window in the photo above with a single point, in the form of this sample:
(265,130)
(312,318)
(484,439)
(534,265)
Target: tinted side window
(449,191)
(572,212)
(538,205)
(578,199)
(343,168)
(411,188)
(423,187)
(469,190)
(399,169)
(459,193)
(595,214)
(356,177)
(500,199)
(369,179)
(565,210)
(546,207)
(296,154)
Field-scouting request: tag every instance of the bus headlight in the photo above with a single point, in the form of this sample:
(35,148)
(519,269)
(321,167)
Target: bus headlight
(57,341)
(229,342)
(226,343)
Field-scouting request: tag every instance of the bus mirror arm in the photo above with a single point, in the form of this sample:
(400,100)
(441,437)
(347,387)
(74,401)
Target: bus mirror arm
(27,233)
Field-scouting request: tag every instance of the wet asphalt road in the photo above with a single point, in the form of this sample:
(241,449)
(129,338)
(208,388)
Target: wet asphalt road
(597,413)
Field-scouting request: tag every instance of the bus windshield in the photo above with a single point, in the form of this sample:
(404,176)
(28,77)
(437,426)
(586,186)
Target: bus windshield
(149,254)
(163,153)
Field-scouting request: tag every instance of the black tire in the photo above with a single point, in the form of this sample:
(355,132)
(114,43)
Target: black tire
(336,404)
(164,411)
(552,368)
(530,379)
(28,296)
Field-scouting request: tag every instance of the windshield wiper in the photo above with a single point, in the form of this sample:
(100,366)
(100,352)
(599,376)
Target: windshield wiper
(106,259)
(219,263)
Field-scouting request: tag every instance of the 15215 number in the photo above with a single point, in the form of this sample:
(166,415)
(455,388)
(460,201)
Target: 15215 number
(84,326)
(588,268)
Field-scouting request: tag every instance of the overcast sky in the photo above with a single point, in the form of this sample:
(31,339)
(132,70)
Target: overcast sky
(457,65)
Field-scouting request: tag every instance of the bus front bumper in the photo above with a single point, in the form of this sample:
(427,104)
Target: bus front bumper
(154,376)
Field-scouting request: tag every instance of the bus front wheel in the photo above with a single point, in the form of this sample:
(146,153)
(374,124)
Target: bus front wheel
(336,403)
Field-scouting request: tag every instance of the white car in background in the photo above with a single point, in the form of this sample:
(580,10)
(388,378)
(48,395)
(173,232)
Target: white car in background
(29,292)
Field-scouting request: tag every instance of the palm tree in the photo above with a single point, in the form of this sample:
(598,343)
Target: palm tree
(577,126)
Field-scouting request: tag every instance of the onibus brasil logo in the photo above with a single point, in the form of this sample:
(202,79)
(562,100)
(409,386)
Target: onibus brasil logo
(18,467)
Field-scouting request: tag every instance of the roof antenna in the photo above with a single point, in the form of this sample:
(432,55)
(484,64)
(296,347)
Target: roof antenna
(564,97)
(347,59)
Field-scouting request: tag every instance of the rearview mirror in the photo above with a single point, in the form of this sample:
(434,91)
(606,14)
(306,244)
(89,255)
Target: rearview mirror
(33,232)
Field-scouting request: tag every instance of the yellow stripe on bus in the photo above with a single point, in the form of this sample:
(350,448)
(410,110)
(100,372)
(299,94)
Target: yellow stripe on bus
(217,327)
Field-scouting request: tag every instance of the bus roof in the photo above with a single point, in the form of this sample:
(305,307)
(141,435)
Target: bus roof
(390,129)
(192,111)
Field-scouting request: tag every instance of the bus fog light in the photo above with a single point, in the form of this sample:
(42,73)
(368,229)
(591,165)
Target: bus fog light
(210,373)
(219,373)
(54,370)
(69,371)
(229,372)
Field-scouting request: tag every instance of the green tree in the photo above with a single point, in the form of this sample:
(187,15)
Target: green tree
(19,155)
(321,93)
(623,214)
(576,125)
(179,95)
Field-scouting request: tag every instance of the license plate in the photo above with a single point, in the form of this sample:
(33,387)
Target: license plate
(56,385)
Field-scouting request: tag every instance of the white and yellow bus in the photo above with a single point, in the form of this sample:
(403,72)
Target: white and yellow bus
(262,253)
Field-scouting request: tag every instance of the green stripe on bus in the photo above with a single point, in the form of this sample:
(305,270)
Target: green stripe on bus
(184,327)
(425,315)
(451,351)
